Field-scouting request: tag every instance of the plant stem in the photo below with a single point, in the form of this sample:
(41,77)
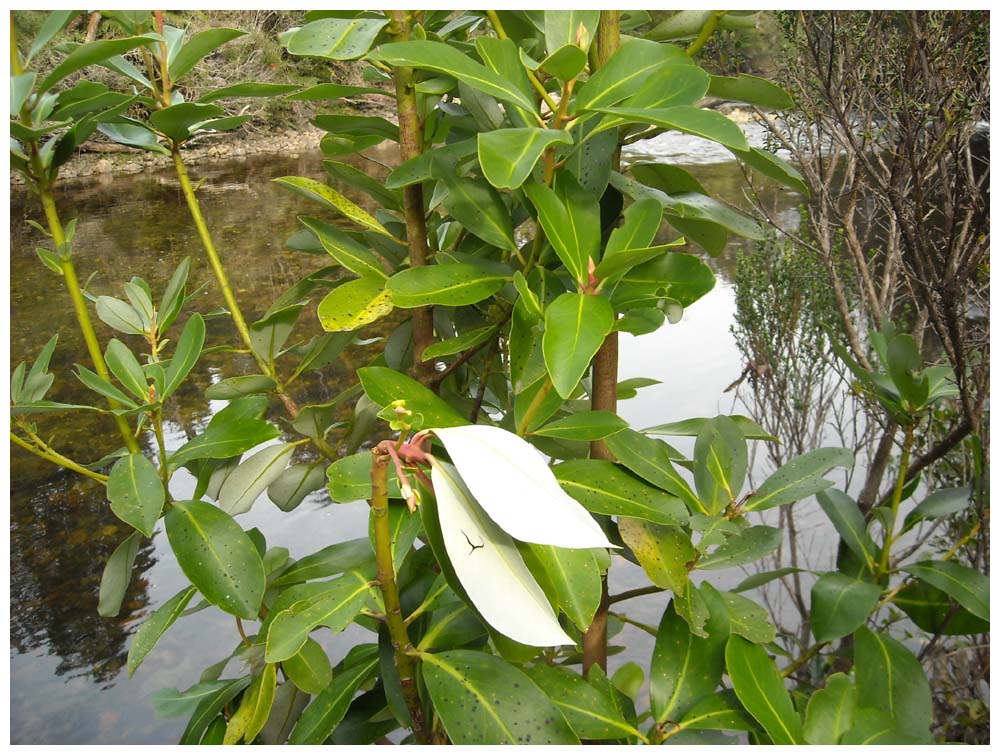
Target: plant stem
(79,303)
(411,144)
(402,649)
(706,32)
(604,378)
(43,451)
(157,421)
(534,406)
(214,260)
(803,659)
(897,495)
(636,593)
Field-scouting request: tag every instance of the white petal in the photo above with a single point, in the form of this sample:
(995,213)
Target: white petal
(490,568)
(511,481)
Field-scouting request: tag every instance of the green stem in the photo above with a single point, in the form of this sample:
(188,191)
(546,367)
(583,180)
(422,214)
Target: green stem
(502,34)
(43,451)
(706,32)
(214,260)
(534,406)
(402,648)
(604,378)
(79,303)
(162,446)
(897,497)
(803,659)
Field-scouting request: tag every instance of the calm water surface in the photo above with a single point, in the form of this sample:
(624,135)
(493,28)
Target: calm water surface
(67,664)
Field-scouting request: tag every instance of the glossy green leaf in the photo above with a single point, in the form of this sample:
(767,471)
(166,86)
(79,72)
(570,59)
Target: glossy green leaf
(605,488)
(799,478)
(888,677)
(403,529)
(89,54)
(940,503)
(374,188)
(178,122)
(328,708)
(720,463)
(591,714)
(774,167)
(383,386)
(459,344)
(478,207)
(847,519)
(442,58)
(217,556)
(565,63)
(124,366)
(687,119)
(839,605)
(871,726)
(208,709)
(334,92)
(664,552)
(335,607)
(251,478)
(641,220)
(753,89)
(685,667)
(136,493)
(54,22)
(450,285)
(508,155)
(575,327)
(291,487)
(241,385)
(172,703)
(747,618)
(968,586)
(573,577)
(20,88)
(682,277)
(692,427)
(625,73)
(436,163)
(762,691)
(326,196)
(117,575)
(99,385)
(153,628)
(650,459)
(119,315)
(933,611)
(200,45)
(587,426)
(830,712)
(357,127)
(224,440)
(482,699)
(747,546)
(559,230)
(186,355)
(353,304)
(333,559)
(269,333)
(133,135)
(255,707)
(562,27)
(336,38)
(309,669)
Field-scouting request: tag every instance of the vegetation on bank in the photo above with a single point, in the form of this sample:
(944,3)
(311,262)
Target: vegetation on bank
(520,247)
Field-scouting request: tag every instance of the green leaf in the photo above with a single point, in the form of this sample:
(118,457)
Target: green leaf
(752,89)
(186,354)
(200,45)
(559,230)
(508,155)
(799,478)
(334,92)
(459,344)
(248,89)
(250,479)
(562,27)
(940,503)
(839,605)
(336,38)
(333,559)
(849,522)
(682,277)
(575,327)
(269,333)
(565,63)
(591,714)
(933,611)
(605,488)
(255,707)
(718,711)
(720,463)
(663,552)
(747,546)
(685,667)
(133,135)
(625,73)
(224,440)
(217,556)
(383,386)
(117,575)
(640,223)
(374,188)
(482,699)
(442,58)
(968,586)
(650,459)
(747,618)
(451,285)
(889,678)
(291,487)
(309,669)
(241,385)
(708,124)
(177,121)
(136,492)
(153,628)
(327,709)
(774,167)
(90,53)
(872,727)
(502,57)
(357,127)
(587,426)
(573,576)
(477,206)
(762,691)
(437,163)
(208,709)
(54,23)
(320,192)
(171,703)
(830,712)
(119,315)
(353,304)
(99,385)
(692,427)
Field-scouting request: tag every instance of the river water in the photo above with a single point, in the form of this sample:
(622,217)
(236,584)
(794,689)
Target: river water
(67,665)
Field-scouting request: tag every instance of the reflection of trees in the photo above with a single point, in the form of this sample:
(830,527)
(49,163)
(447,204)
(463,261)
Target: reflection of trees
(61,535)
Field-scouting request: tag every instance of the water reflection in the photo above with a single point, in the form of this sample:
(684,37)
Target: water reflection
(61,529)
